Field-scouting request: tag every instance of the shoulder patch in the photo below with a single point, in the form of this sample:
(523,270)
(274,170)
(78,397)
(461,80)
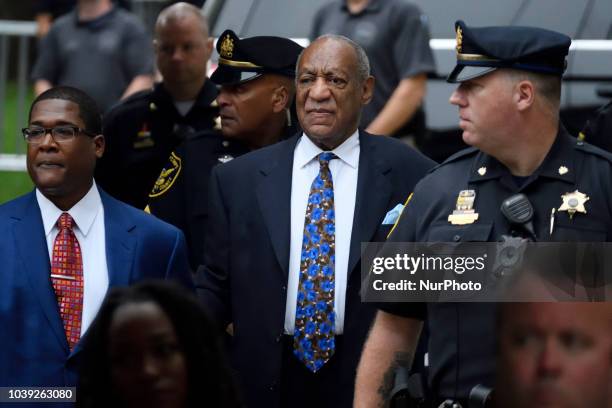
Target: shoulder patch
(465,153)
(168,176)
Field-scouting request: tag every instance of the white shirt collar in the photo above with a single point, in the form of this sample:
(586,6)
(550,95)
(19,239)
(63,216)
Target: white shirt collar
(83,213)
(348,151)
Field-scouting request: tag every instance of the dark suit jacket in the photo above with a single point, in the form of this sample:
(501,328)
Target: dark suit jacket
(247,254)
(33,346)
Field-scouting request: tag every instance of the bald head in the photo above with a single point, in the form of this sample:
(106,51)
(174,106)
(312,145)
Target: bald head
(182,48)
(181,11)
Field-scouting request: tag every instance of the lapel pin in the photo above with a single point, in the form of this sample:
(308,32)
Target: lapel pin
(563,170)
(482,171)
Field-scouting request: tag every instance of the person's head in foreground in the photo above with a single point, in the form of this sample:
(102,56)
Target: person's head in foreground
(151,346)
(554,355)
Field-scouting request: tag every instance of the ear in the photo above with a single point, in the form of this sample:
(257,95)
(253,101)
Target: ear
(209,47)
(99,145)
(524,95)
(367,90)
(280,99)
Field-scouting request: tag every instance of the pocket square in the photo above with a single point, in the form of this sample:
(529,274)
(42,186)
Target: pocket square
(393,215)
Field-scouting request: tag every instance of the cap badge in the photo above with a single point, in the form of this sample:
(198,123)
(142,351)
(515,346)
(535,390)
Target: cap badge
(573,203)
(227,47)
(563,170)
(459,40)
(464,212)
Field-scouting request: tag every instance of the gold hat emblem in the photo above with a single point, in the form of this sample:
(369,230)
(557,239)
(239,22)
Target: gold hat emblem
(227,47)
(563,170)
(459,40)
(573,203)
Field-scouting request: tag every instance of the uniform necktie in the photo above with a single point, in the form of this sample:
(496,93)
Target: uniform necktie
(313,339)
(67,278)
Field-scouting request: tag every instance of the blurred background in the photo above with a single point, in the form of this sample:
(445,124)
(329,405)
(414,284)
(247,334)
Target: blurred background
(587,83)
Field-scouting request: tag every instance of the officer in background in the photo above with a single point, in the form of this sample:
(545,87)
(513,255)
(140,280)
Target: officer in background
(508,99)
(143,131)
(257,89)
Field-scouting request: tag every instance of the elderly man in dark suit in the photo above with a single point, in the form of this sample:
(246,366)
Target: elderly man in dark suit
(65,243)
(286,224)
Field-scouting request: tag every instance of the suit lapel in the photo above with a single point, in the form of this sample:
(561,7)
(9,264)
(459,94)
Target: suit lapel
(274,197)
(29,235)
(119,241)
(373,195)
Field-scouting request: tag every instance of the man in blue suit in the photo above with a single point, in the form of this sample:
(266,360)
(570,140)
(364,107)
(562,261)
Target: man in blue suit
(48,298)
(284,240)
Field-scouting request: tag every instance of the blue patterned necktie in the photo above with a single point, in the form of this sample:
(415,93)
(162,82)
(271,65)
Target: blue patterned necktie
(313,339)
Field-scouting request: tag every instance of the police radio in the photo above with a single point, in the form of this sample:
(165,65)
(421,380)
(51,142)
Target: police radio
(519,212)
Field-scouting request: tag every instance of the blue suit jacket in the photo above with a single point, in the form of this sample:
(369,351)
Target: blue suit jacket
(33,346)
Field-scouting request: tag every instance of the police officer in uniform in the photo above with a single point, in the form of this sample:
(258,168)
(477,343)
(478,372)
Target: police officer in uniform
(509,84)
(256,77)
(144,130)
(257,89)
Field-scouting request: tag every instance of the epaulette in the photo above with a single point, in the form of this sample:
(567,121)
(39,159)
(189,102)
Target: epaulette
(455,157)
(594,150)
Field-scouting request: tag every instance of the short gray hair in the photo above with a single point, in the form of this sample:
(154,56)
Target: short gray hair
(549,86)
(363,63)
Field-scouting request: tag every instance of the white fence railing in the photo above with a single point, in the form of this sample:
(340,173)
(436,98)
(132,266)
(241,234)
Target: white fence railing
(22,32)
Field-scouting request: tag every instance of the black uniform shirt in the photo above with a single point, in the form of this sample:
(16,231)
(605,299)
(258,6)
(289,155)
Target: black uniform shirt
(462,335)
(181,198)
(141,132)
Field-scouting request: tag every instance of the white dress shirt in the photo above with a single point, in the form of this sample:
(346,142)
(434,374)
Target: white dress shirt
(344,176)
(88,215)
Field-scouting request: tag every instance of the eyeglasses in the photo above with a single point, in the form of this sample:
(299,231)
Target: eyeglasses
(61,134)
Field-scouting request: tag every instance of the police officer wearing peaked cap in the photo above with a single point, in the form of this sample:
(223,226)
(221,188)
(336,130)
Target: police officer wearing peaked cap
(256,96)
(180,194)
(509,85)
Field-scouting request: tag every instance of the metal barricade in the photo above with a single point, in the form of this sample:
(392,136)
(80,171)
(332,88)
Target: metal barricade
(22,32)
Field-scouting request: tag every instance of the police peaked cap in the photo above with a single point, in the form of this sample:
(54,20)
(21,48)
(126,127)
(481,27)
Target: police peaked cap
(242,60)
(484,49)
